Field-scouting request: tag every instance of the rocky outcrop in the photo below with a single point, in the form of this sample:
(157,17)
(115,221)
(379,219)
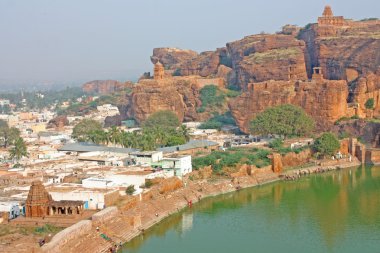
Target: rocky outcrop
(344,52)
(274,69)
(104,87)
(58,122)
(324,100)
(179,96)
(365,88)
(267,57)
(170,57)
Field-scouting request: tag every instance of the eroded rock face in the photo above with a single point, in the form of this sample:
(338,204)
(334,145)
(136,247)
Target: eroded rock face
(324,100)
(343,52)
(104,87)
(170,57)
(267,57)
(179,96)
(367,87)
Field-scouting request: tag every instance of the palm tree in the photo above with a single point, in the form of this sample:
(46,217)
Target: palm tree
(19,150)
(185,132)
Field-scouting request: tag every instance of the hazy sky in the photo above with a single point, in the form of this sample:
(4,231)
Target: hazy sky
(82,40)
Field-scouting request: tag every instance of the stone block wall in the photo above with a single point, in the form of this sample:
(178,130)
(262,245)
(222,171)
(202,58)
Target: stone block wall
(105,214)
(70,233)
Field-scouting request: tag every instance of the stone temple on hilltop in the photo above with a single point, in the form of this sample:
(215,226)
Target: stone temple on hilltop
(159,71)
(328,18)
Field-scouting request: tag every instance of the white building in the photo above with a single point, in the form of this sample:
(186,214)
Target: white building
(12,208)
(93,199)
(147,157)
(181,165)
(108,110)
(4,102)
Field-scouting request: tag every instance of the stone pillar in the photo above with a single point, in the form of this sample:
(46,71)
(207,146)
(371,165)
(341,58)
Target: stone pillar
(352,146)
(360,152)
(276,163)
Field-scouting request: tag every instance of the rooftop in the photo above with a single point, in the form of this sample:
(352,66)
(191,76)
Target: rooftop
(91,147)
(188,146)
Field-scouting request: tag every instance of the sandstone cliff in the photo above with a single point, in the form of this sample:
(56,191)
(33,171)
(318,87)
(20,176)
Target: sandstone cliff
(324,100)
(271,69)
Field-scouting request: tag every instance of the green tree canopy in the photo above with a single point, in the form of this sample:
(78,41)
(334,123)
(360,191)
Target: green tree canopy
(370,103)
(164,119)
(326,144)
(83,129)
(19,150)
(8,135)
(285,120)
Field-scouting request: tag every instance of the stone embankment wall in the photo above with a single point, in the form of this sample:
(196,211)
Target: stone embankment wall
(79,229)
(66,235)
(292,159)
(105,214)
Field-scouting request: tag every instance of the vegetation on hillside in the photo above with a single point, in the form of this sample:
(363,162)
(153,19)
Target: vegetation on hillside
(85,128)
(212,98)
(278,146)
(157,132)
(165,119)
(326,145)
(230,158)
(284,120)
(275,54)
(370,104)
(217,121)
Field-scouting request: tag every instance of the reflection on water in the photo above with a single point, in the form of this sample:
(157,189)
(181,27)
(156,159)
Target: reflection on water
(332,212)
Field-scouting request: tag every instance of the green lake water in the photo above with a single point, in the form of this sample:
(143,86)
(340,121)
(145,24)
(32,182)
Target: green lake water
(331,212)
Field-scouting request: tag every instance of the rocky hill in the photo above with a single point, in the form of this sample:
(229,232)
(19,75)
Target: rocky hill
(330,68)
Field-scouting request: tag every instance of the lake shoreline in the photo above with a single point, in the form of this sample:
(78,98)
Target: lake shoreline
(130,222)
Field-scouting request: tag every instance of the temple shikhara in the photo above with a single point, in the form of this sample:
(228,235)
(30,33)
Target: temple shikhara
(328,18)
(40,204)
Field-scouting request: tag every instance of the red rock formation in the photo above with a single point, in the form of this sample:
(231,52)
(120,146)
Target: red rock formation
(324,100)
(58,122)
(38,200)
(276,163)
(179,96)
(267,57)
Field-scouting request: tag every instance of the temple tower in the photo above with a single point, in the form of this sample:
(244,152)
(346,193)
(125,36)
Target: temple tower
(38,200)
(159,71)
(327,13)
(328,18)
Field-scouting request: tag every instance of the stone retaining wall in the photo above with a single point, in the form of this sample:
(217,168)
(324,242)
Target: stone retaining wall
(105,214)
(70,233)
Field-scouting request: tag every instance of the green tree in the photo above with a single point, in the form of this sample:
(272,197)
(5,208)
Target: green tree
(130,190)
(211,97)
(8,135)
(284,120)
(326,144)
(83,130)
(19,150)
(370,103)
(164,119)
